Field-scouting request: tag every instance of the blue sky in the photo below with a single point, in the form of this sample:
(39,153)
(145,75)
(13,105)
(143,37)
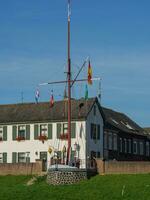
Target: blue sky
(115,34)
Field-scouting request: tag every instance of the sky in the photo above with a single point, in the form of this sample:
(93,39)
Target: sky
(115,34)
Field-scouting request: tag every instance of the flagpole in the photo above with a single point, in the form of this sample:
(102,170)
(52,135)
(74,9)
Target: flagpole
(69,89)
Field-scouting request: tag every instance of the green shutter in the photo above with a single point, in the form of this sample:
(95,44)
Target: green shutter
(5,133)
(14,132)
(4,157)
(14,157)
(27,132)
(58,130)
(36,131)
(49,131)
(73,130)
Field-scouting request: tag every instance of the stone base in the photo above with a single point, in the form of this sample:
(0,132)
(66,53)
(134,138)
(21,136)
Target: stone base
(62,177)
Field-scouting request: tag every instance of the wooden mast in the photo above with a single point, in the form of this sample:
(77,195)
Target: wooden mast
(69,88)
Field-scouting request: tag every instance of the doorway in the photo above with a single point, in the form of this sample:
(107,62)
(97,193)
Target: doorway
(43,157)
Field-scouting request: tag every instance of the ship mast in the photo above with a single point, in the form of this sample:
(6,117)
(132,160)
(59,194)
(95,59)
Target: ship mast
(69,87)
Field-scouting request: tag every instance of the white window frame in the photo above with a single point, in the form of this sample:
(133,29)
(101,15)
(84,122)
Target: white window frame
(43,129)
(25,154)
(65,128)
(23,128)
(21,155)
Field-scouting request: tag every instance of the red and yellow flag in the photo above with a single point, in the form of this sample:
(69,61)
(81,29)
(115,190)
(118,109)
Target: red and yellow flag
(51,100)
(89,74)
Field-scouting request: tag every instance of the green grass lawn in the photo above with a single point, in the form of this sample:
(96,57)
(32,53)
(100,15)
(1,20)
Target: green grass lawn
(99,187)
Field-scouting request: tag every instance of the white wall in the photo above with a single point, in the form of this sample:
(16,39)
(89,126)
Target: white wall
(93,145)
(34,146)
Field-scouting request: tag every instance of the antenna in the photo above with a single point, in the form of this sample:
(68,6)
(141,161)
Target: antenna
(22,96)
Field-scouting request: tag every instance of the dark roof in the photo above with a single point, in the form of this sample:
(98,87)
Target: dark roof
(121,122)
(32,112)
(147,130)
(28,112)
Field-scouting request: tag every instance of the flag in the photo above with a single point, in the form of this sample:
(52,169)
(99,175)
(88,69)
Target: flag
(51,100)
(86,92)
(37,95)
(69,10)
(89,74)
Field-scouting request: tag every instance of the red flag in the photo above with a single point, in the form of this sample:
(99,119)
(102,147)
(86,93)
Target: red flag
(51,100)
(89,74)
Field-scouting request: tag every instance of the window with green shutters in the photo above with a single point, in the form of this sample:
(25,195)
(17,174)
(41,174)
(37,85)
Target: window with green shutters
(58,130)
(36,131)
(50,129)
(14,157)
(14,132)
(27,132)
(73,130)
(4,157)
(4,133)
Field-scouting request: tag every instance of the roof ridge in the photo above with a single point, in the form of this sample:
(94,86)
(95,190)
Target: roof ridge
(44,102)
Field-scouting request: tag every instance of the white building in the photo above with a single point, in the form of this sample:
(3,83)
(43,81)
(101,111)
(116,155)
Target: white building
(30,131)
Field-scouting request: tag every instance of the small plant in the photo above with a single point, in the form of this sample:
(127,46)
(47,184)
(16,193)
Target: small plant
(42,138)
(19,138)
(64,136)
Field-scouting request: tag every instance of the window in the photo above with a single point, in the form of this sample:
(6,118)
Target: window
(121,145)
(129,145)
(147,148)
(65,128)
(1,133)
(135,147)
(94,110)
(1,158)
(105,140)
(125,145)
(110,141)
(21,131)
(141,148)
(23,157)
(43,130)
(115,141)
(62,130)
(95,131)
